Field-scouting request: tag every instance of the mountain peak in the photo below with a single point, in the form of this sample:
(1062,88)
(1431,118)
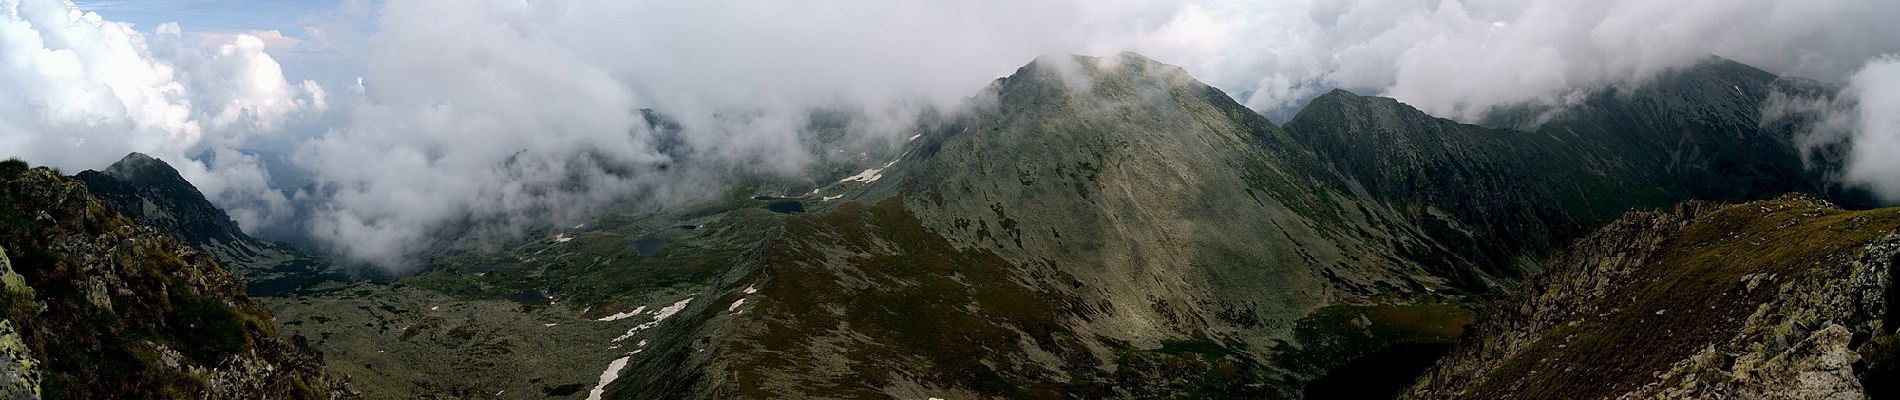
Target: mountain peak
(1343,105)
(151,191)
(1080,73)
(138,166)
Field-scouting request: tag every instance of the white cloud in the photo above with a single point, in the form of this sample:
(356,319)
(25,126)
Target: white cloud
(83,91)
(1850,131)
(1873,163)
(271,39)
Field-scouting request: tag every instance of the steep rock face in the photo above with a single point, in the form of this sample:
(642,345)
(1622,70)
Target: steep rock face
(98,306)
(1771,299)
(151,192)
(1512,197)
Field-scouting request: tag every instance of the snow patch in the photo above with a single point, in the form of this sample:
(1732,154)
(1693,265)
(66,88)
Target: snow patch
(869,175)
(661,315)
(550,324)
(913,138)
(561,238)
(830,198)
(749,289)
(664,313)
(606,377)
(624,315)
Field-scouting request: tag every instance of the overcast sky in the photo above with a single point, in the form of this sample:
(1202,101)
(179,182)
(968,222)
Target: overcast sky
(409,111)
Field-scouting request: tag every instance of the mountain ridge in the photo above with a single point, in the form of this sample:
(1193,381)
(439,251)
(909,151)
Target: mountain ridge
(1695,133)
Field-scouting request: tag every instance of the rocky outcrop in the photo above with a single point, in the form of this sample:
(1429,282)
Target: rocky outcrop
(108,308)
(1771,299)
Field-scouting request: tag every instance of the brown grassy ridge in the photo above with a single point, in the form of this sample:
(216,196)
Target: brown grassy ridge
(1692,294)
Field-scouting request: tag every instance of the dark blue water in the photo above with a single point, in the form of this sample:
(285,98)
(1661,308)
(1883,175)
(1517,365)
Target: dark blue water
(527,298)
(649,246)
(786,207)
(1384,374)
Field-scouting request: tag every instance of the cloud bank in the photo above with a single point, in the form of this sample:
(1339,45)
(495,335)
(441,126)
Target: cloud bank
(82,91)
(1852,131)
(506,114)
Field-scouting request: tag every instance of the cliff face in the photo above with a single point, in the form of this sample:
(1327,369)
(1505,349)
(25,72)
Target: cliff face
(1787,298)
(98,306)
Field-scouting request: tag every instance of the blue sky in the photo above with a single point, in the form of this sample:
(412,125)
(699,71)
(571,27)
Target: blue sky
(289,16)
(333,63)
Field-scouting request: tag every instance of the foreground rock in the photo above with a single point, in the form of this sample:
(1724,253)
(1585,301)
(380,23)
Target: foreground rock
(97,306)
(1788,298)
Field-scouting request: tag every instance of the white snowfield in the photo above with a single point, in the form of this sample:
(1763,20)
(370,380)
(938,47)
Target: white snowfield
(606,377)
(869,175)
(624,315)
(660,315)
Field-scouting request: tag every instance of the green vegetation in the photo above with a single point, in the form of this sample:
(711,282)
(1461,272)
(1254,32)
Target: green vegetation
(208,330)
(12,167)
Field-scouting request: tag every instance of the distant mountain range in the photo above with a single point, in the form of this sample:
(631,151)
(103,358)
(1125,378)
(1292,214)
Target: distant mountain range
(1111,227)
